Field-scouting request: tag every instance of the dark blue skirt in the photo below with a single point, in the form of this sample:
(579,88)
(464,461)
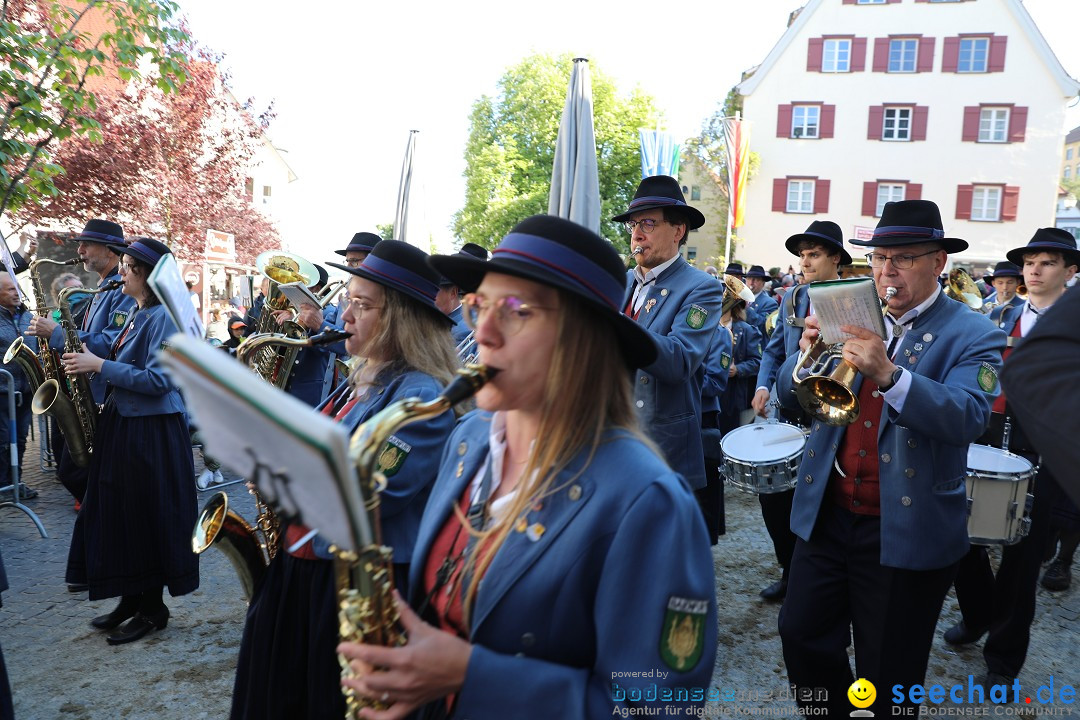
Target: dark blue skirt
(133,533)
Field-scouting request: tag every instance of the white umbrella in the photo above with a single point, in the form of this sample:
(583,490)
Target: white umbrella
(401,216)
(575,184)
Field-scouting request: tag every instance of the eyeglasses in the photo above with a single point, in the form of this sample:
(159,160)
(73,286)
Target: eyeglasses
(511,312)
(647,225)
(354,262)
(125,268)
(900,262)
(360,306)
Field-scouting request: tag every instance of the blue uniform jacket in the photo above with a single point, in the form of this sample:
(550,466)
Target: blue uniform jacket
(954,356)
(717,363)
(1014,301)
(1006,316)
(784,341)
(747,358)
(460,330)
(667,393)
(136,380)
(555,616)
(13,324)
(416,448)
(758,312)
(104,319)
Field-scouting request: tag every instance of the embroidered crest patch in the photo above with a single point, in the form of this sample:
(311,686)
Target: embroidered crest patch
(988,379)
(682,636)
(119,318)
(393,456)
(696,316)
(725,361)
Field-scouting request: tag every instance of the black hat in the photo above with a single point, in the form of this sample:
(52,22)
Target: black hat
(402,267)
(468,250)
(361,242)
(911,222)
(756,271)
(105,232)
(1048,240)
(564,255)
(822,232)
(1005,269)
(734,269)
(146,249)
(662,191)
(324,276)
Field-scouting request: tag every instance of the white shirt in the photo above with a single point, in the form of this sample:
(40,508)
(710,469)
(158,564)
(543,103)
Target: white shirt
(642,282)
(496,455)
(1029,316)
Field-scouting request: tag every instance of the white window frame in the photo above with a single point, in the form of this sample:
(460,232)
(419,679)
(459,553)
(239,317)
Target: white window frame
(994,124)
(836,55)
(973,53)
(800,196)
(803,127)
(899,124)
(986,203)
(1068,172)
(912,61)
(889,192)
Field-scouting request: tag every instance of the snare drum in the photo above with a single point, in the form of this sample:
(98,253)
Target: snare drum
(998,499)
(762,458)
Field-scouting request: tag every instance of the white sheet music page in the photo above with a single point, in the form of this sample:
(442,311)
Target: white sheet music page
(852,301)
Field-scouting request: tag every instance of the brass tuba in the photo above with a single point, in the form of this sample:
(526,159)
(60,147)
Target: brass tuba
(962,288)
(735,290)
(276,365)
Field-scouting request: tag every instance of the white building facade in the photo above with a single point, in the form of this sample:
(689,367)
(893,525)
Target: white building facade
(864,101)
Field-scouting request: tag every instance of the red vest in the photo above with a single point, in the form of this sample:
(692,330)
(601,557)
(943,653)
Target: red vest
(858,457)
(999,401)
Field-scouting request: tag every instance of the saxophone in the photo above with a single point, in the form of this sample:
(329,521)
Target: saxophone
(72,404)
(45,364)
(365,581)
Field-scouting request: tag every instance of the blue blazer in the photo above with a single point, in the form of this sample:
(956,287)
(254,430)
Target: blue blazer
(954,357)
(104,319)
(668,392)
(417,447)
(138,383)
(758,312)
(558,612)
(784,341)
(716,377)
(460,330)
(747,358)
(13,324)
(1006,316)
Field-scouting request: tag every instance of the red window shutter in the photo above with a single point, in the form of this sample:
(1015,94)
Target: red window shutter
(858,54)
(926,55)
(913,191)
(814,53)
(881,54)
(850,2)
(869,198)
(997,53)
(950,56)
(779,195)
(783,120)
(1010,201)
(828,121)
(918,122)
(963,201)
(821,196)
(1017,124)
(971,125)
(890,2)
(877,120)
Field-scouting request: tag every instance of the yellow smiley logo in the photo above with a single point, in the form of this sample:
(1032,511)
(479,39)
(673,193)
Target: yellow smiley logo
(862,693)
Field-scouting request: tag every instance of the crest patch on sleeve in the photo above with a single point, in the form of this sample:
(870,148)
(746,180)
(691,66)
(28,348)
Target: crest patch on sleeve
(988,379)
(696,317)
(725,361)
(119,318)
(682,636)
(393,456)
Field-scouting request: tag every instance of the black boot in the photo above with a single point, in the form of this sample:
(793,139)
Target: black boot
(129,605)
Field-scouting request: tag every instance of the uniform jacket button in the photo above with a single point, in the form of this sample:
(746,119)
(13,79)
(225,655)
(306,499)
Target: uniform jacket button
(911,443)
(575,492)
(640,403)
(809,479)
(811,453)
(644,379)
(885,457)
(910,472)
(528,640)
(905,501)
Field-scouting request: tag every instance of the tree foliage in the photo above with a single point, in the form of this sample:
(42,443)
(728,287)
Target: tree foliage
(53,57)
(511,148)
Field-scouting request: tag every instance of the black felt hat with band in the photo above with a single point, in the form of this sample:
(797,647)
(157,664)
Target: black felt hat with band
(361,242)
(911,222)
(1005,269)
(564,255)
(1048,240)
(146,249)
(821,232)
(661,191)
(402,267)
(105,232)
(756,271)
(734,269)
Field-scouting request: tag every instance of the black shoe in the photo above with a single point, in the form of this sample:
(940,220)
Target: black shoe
(113,619)
(776,591)
(77,587)
(961,634)
(139,626)
(1058,576)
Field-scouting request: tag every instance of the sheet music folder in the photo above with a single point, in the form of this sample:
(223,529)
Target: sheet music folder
(296,457)
(851,301)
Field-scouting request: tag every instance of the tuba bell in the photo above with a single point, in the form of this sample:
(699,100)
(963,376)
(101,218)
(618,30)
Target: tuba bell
(962,288)
(735,290)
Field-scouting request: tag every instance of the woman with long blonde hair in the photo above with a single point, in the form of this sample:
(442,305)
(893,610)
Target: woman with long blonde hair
(557,549)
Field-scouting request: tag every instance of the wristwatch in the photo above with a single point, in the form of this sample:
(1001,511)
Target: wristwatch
(893,379)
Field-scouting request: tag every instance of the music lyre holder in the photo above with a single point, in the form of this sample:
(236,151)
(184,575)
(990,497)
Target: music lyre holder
(13,454)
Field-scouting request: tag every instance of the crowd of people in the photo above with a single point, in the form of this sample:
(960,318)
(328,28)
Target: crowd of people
(557,536)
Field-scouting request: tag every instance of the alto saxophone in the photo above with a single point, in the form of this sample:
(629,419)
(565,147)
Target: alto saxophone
(365,579)
(45,364)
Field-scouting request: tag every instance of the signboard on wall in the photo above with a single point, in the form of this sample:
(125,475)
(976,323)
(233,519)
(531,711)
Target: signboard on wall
(220,247)
(863,233)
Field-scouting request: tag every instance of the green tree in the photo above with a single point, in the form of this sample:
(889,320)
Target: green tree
(511,148)
(53,55)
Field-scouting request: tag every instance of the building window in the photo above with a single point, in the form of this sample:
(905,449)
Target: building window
(897,124)
(886,193)
(1068,153)
(249,189)
(902,55)
(695,192)
(800,196)
(973,55)
(986,203)
(805,120)
(266,195)
(1067,173)
(836,56)
(691,254)
(994,125)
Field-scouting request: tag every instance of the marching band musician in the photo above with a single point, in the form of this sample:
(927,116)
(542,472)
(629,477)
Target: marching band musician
(449,298)
(880,505)
(557,546)
(1004,605)
(287,666)
(821,252)
(101,324)
(745,361)
(14,319)
(1005,280)
(764,305)
(132,536)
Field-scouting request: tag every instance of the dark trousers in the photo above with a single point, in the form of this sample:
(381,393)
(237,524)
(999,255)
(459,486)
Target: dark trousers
(1006,603)
(837,586)
(776,512)
(711,497)
(22,427)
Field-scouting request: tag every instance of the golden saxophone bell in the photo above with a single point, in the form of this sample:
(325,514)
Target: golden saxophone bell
(220,527)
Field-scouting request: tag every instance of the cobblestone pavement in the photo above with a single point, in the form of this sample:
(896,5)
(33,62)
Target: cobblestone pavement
(61,668)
